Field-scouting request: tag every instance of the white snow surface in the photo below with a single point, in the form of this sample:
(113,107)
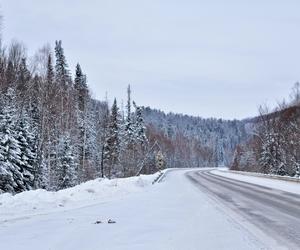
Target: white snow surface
(173,214)
(88,193)
(287,186)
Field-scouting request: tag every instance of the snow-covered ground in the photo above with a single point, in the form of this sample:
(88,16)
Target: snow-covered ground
(89,193)
(173,214)
(287,186)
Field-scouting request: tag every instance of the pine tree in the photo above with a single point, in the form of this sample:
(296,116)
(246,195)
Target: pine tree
(51,88)
(112,145)
(127,140)
(42,176)
(103,132)
(65,89)
(129,130)
(27,144)
(61,66)
(50,71)
(23,77)
(139,127)
(267,160)
(66,169)
(12,179)
(81,88)
(84,123)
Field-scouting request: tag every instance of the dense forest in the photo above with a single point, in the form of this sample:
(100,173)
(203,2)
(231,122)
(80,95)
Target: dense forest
(273,146)
(193,141)
(53,134)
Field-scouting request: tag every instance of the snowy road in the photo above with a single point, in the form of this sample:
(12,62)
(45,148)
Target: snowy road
(177,213)
(275,212)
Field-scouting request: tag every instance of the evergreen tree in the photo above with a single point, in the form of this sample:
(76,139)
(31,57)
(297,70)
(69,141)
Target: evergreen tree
(42,176)
(61,66)
(139,127)
(65,89)
(50,71)
(23,77)
(112,145)
(81,88)
(11,176)
(129,130)
(66,169)
(27,144)
(85,128)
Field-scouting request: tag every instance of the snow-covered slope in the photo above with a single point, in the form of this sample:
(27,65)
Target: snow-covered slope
(99,190)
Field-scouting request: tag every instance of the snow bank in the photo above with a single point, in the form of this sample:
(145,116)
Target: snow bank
(292,187)
(88,193)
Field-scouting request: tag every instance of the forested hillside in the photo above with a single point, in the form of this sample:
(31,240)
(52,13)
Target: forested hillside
(193,141)
(274,144)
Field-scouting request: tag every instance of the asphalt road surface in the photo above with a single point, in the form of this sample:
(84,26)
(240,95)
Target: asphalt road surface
(276,213)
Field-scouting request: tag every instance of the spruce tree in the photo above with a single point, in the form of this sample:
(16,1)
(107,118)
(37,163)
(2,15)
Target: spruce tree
(139,127)
(81,88)
(50,71)
(85,128)
(23,77)
(66,169)
(11,176)
(65,89)
(28,153)
(129,131)
(61,66)
(266,159)
(112,145)
(42,175)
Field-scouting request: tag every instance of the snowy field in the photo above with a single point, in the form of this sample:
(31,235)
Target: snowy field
(173,214)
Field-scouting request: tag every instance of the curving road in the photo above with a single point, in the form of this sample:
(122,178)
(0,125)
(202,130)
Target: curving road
(275,212)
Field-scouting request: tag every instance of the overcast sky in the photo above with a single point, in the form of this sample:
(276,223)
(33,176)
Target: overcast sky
(211,58)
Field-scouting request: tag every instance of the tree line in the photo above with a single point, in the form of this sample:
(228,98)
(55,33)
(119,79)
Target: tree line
(274,144)
(54,135)
(189,142)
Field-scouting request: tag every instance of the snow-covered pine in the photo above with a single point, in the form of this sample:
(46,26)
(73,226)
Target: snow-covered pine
(66,168)
(139,127)
(61,67)
(112,144)
(131,141)
(28,150)
(42,175)
(65,85)
(128,126)
(11,171)
(81,92)
(91,145)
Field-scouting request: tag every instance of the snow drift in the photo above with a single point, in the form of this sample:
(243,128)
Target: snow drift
(88,193)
